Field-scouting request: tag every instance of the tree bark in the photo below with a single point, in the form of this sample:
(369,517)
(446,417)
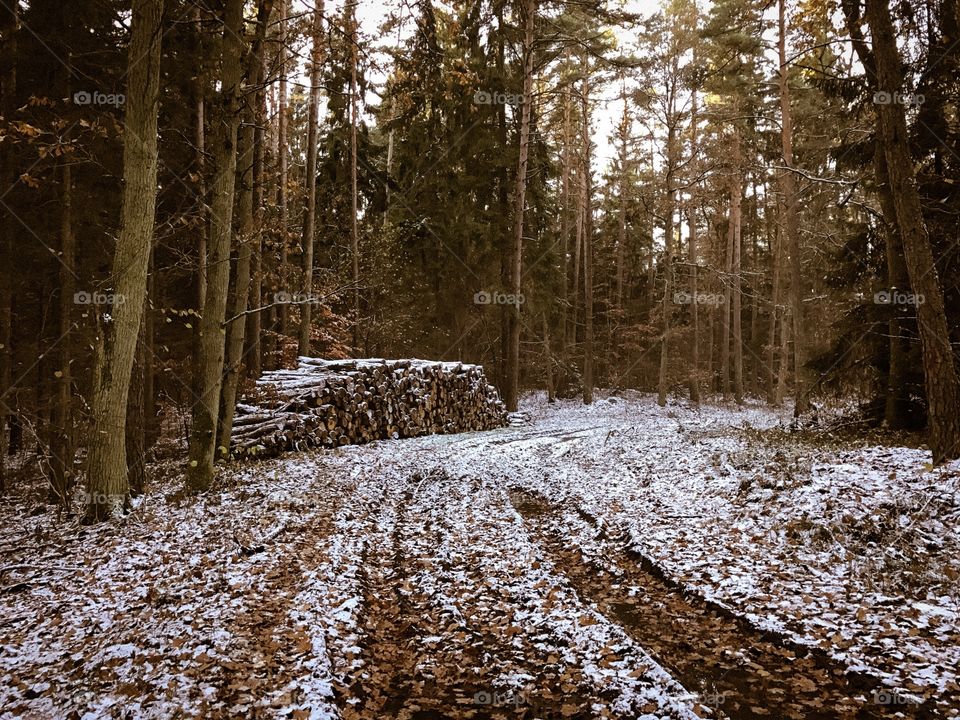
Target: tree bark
(283,310)
(203,438)
(107,462)
(727,303)
(516,259)
(565,214)
(254,351)
(622,205)
(940,373)
(587,238)
(9,31)
(310,177)
(896,400)
(63,450)
(694,380)
(236,328)
(791,221)
(736,195)
(354,230)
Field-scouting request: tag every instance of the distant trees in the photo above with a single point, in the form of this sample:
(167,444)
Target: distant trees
(732,239)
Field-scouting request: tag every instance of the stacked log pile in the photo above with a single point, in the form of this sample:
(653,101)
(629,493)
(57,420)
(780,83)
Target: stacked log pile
(327,403)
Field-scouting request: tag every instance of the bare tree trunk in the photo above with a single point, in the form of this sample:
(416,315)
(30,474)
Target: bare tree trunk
(516,260)
(9,31)
(203,438)
(791,221)
(736,194)
(254,351)
(548,360)
(577,256)
(587,238)
(199,100)
(63,450)
(283,311)
(200,89)
(773,387)
(354,230)
(236,325)
(310,177)
(756,349)
(663,380)
(565,212)
(150,419)
(694,381)
(107,462)
(896,400)
(135,439)
(671,164)
(727,302)
(622,218)
(940,373)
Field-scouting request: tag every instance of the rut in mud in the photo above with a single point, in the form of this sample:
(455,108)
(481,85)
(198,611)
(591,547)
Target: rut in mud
(730,666)
(453,626)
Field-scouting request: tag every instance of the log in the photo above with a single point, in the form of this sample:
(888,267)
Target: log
(331,403)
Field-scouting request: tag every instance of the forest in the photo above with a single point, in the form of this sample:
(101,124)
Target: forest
(479,358)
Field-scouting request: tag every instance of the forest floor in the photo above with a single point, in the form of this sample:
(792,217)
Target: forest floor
(621,560)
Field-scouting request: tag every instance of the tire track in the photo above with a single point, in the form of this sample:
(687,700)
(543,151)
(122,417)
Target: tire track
(742,672)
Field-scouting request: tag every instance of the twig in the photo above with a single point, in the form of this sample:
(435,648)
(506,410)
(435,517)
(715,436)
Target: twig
(310,299)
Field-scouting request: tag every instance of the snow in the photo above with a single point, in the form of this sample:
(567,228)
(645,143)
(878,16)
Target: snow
(287,586)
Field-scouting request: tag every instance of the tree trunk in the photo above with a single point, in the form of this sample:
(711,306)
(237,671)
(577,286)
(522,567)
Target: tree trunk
(135,436)
(203,438)
(622,216)
(727,302)
(773,395)
(694,381)
(254,351)
(736,195)
(236,323)
(791,221)
(283,310)
(62,446)
(940,373)
(310,178)
(565,213)
(9,30)
(548,360)
(354,230)
(896,401)
(516,259)
(107,462)
(587,239)
(671,163)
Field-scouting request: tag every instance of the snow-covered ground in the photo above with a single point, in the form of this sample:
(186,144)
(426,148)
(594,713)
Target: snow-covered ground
(618,560)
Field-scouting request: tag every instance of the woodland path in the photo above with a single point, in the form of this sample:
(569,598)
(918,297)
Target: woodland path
(442,577)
